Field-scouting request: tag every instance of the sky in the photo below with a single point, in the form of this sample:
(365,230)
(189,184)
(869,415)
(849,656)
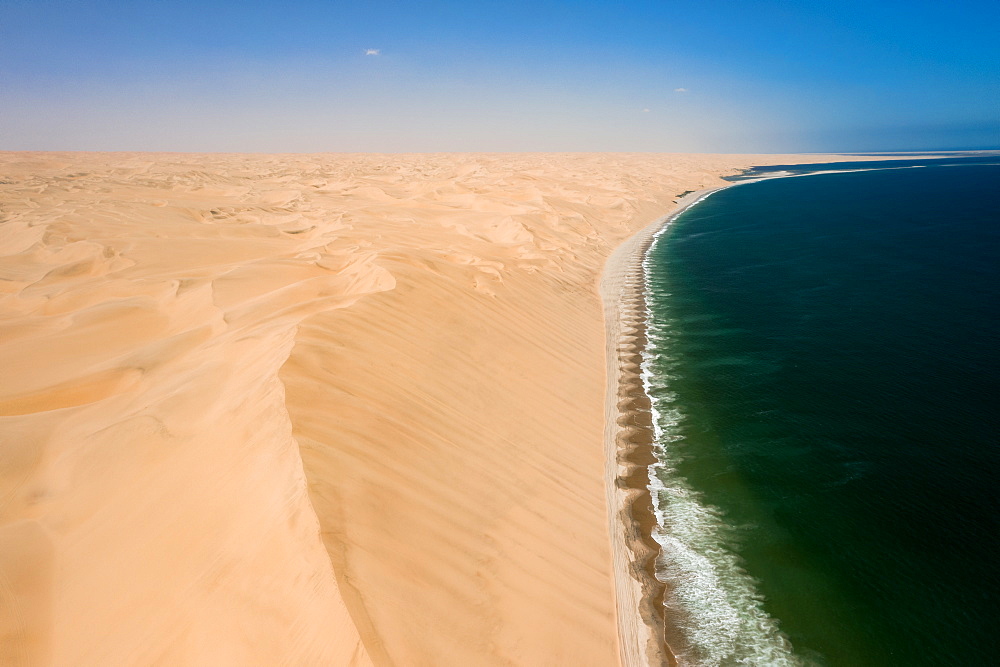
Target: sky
(485,75)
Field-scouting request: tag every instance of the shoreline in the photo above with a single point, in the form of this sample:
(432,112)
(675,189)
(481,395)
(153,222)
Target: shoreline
(628,448)
(629,439)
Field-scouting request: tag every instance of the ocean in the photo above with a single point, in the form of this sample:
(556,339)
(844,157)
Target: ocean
(823,359)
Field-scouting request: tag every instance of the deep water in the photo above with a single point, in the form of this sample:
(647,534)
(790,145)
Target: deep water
(824,361)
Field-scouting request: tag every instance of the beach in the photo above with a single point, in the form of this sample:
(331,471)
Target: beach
(339,409)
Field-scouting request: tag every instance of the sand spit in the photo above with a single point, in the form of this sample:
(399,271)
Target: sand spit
(315,409)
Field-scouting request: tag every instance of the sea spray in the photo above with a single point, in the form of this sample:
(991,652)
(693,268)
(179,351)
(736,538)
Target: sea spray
(716,615)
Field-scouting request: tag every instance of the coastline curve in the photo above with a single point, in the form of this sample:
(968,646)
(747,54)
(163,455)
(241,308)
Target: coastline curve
(628,448)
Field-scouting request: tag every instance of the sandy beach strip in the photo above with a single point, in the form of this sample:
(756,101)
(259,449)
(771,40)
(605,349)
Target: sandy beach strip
(628,443)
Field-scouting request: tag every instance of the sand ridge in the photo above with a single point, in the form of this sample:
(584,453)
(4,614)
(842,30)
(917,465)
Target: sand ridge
(312,409)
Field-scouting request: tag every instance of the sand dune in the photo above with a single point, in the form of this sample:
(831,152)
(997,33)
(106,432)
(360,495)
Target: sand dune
(323,409)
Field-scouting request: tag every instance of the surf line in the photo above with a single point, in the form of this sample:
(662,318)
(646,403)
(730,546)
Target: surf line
(629,440)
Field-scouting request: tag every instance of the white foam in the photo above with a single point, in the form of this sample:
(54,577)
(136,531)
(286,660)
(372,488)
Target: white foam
(710,598)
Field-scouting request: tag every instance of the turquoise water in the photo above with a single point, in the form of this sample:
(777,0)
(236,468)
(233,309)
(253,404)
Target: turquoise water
(825,368)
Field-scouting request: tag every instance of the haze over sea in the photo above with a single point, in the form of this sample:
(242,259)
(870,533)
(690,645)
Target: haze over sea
(824,366)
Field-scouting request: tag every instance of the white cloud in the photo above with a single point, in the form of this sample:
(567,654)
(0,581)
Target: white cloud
(373,52)
(680,90)
(645,110)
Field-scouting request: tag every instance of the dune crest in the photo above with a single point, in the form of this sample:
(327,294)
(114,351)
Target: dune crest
(311,409)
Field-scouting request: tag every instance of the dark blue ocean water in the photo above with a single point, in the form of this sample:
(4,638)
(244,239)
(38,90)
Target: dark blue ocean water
(824,362)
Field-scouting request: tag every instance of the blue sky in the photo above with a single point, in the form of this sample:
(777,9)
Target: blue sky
(372,75)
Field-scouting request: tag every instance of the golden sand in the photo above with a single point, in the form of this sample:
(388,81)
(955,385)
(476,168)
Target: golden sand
(314,409)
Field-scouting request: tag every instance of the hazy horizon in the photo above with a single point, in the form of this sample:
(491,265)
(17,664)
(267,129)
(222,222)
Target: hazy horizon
(308,77)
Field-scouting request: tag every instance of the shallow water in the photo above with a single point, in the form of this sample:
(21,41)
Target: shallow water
(824,363)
